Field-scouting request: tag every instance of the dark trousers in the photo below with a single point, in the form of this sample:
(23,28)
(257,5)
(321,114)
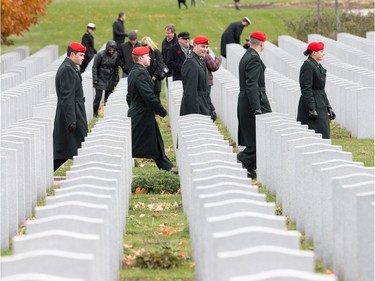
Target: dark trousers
(164,163)
(183,2)
(98,98)
(57,163)
(248,157)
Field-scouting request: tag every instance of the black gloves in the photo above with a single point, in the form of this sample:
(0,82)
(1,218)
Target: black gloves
(257,111)
(72,127)
(331,114)
(213,116)
(313,114)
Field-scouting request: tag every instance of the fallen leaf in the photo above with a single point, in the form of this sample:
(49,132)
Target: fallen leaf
(139,190)
(181,244)
(142,215)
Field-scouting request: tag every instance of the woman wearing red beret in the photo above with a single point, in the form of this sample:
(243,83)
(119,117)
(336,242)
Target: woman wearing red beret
(314,109)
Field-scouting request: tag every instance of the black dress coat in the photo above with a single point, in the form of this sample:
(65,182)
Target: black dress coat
(70,108)
(231,35)
(312,80)
(88,42)
(175,59)
(252,96)
(156,68)
(119,33)
(105,69)
(147,141)
(166,45)
(195,99)
(125,56)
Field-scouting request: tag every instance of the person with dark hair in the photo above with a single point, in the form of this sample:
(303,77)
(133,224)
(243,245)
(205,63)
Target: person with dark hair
(88,42)
(232,34)
(125,53)
(169,40)
(105,73)
(177,54)
(118,28)
(70,125)
(314,109)
(252,101)
(157,68)
(147,141)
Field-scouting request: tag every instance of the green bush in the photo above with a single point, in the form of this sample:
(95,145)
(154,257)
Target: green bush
(156,181)
(326,25)
(165,258)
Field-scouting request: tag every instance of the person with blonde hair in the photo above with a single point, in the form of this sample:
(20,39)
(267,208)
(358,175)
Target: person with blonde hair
(157,67)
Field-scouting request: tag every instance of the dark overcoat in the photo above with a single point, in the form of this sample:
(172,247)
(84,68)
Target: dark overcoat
(195,99)
(175,58)
(105,69)
(88,42)
(165,45)
(231,35)
(252,96)
(70,108)
(156,68)
(125,55)
(147,141)
(312,80)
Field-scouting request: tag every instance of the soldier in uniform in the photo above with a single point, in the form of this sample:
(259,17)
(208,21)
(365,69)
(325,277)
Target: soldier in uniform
(70,127)
(147,141)
(314,108)
(252,100)
(232,34)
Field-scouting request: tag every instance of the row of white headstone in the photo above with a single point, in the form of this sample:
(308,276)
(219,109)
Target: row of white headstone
(350,88)
(234,232)
(26,144)
(78,234)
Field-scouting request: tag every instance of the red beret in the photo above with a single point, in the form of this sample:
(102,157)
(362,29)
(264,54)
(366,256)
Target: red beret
(77,47)
(139,51)
(201,40)
(259,35)
(315,46)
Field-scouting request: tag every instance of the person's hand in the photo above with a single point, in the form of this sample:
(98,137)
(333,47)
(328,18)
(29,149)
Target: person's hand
(213,116)
(331,114)
(257,111)
(313,114)
(72,127)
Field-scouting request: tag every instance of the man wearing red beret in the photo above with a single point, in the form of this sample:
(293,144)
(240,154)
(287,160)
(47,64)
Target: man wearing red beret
(147,141)
(70,127)
(196,98)
(252,100)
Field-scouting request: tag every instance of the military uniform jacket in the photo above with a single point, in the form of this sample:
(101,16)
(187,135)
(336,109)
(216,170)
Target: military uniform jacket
(195,99)
(70,108)
(147,141)
(231,35)
(312,81)
(252,96)
(88,42)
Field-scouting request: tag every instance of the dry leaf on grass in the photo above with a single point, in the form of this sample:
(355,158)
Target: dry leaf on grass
(140,190)
(181,244)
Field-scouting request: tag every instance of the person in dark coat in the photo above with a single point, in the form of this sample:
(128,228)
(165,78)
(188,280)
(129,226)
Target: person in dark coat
(118,29)
(88,42)
(157,68)
(177,54)
(314,108)
(196,98)
(105,73)
(252,100)
(147,141)
(169,40)
(232,34)
(125,53)
(70,126)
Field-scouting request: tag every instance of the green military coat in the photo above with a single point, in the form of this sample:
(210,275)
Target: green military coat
(70,108)
(312,80)
(252,96)
(195,99)
(147,141)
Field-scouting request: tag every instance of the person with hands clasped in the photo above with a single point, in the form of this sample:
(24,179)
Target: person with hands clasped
(147,141)
(252,100)
(105,74)
(70,125)
(314,108)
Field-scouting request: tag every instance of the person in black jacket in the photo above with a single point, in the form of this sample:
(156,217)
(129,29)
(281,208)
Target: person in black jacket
(88,42)
(314,108)
(105,73)
(157,68)
(177,54)
(119,30)
(169,40)
(232,34)
(147,141)
(70,125)
(252,100)
(125,53)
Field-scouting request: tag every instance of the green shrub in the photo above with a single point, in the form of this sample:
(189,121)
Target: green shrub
(165,258)
(156,181)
